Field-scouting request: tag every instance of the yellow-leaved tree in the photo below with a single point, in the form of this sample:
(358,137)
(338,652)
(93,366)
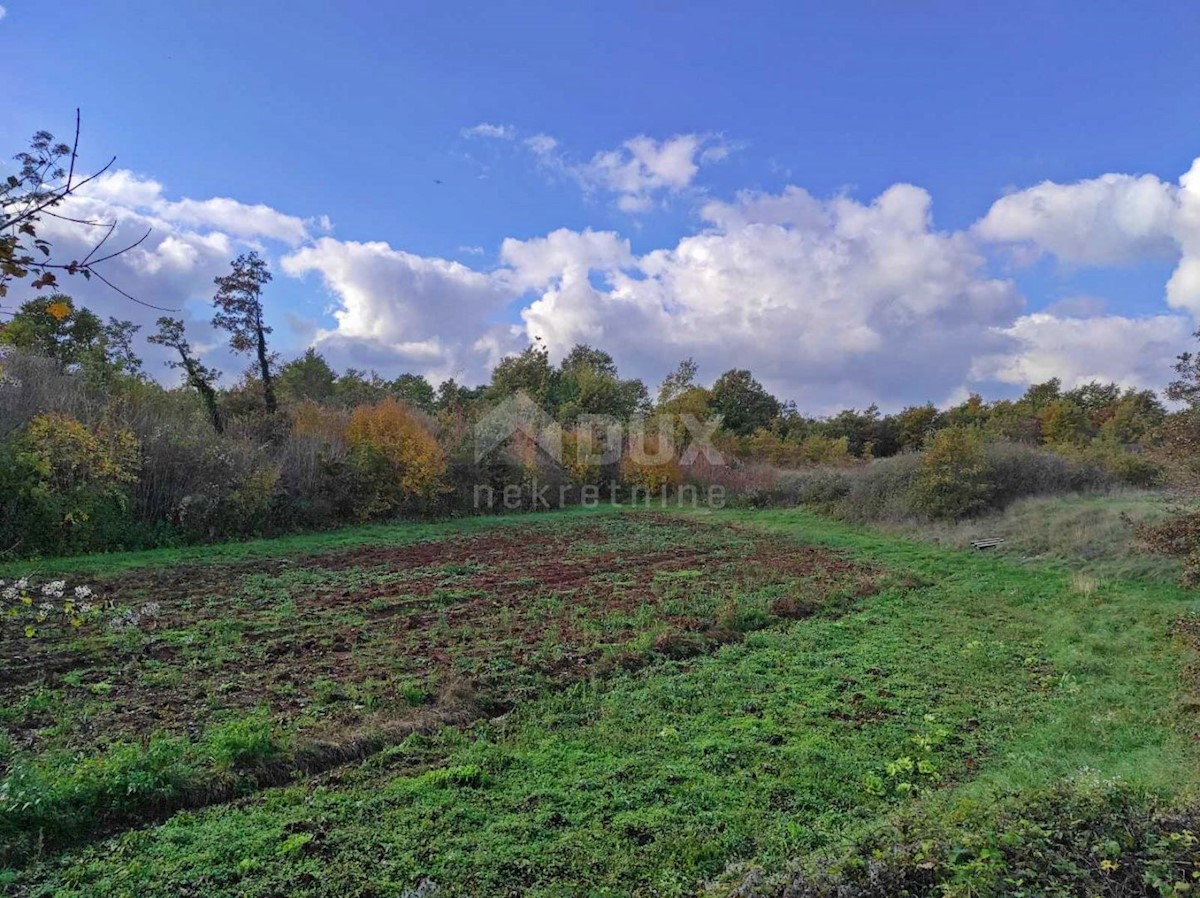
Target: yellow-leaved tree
(398,453)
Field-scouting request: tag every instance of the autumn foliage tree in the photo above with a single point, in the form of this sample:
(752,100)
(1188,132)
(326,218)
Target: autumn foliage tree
(399,453)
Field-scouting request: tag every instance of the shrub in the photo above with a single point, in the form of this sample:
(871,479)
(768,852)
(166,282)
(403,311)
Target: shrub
(66,486)
(883,490)
(397,451)
(647,467)
(1017,471)
(1177,537)
(953,479)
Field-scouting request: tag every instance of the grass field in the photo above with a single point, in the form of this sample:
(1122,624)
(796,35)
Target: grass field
(595,703)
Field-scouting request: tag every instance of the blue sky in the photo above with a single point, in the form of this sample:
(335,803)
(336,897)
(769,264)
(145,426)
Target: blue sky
(361,117)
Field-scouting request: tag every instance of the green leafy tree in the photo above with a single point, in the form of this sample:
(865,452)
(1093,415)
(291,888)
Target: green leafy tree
(588,384)
(742,402)
(308,378)
(415,391)
(198,376)
(1038,396)
(356,387)
(678,382)
(240,312)
(1064,423)
(53,328)
(452,395)
(914,424)
(116,347)
(529,372)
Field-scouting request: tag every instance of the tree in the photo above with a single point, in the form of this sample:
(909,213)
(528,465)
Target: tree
(1186,387)
(583,356)
(116,346)
(1038,396)
(414,390)
(1064,423)
(356,387)
(53,328)
(307,378)
(453,395)
(678,382)
(240,311)
(914,424)
(199,377)
(528,372)
(46,178)
(742,402)
(953,480)
(587,384)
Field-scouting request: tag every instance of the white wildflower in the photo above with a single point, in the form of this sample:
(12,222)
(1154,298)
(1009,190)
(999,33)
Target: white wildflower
(83,592)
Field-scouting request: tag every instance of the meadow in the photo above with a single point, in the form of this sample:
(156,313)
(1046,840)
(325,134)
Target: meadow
(604,702)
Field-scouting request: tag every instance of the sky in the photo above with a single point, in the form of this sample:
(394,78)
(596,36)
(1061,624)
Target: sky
(863,202)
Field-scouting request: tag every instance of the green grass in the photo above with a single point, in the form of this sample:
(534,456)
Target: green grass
(1084,533)
(968,679)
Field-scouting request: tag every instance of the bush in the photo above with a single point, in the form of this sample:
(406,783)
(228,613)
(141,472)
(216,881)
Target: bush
(883,490)
(1017,471)
(398,454)
(957,476)
(66,486)
(953,480)
(648,468)
(1178,537)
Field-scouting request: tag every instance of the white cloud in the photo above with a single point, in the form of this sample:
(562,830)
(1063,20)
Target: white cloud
(641,172)
(189,243)
(400,312)
(3,12)
(1110,220)
(125,189)
(643,168)
(563,253)
(831,303)
(541,144)
(1133,352)
(488,130)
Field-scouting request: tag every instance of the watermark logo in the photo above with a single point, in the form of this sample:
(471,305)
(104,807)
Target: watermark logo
(518,416)
(597,439)
(654,457)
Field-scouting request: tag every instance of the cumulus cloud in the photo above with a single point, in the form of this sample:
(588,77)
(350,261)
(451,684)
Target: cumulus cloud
(396,311)
(488,130)
(643,169)
(189,243)
(129,191)
(561,254)
(1110,220)
(1128,351)
(831,302)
